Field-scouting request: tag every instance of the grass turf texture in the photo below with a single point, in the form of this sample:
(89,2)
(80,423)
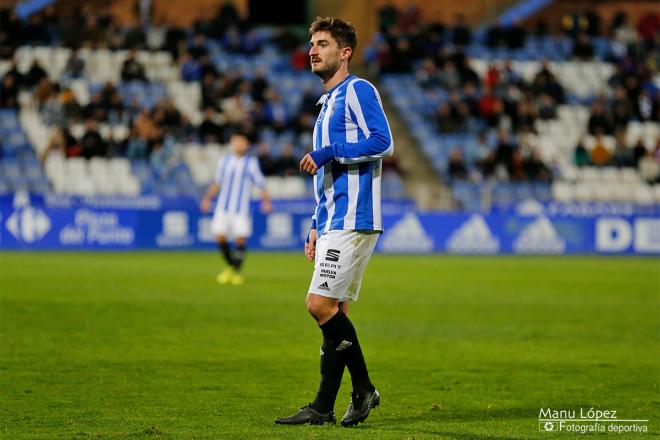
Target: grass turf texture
(147,345)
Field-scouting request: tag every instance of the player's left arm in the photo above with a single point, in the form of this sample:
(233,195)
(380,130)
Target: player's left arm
(367,112)
(260,181)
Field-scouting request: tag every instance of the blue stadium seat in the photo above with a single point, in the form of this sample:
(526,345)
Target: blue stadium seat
(523,191)
(467,194)
(503,195)
(38,184)
(18,183)
(542,191)
(167,189)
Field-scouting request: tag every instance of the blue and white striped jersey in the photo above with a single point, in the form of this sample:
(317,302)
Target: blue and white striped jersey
(352,122)
(235,175)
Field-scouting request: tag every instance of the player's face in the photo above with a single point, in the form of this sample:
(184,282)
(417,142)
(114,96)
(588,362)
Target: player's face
(239,144)
(325,56)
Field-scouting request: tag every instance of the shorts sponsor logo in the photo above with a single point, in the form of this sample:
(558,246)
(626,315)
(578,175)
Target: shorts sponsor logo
(324,286)
(330,265)
(332,255)
(325,273)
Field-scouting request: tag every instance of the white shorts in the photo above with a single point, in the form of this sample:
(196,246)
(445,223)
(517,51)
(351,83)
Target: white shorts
(341,257)
(231,225)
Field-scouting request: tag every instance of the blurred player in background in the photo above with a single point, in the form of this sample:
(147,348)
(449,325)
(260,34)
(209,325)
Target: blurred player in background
(351,136)
(234,176)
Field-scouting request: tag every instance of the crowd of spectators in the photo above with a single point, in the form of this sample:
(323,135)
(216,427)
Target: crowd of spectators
(405,38)
(230,99)
(500,108)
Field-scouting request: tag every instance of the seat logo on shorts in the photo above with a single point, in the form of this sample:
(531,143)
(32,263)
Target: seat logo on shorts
(332,255)
(324,286)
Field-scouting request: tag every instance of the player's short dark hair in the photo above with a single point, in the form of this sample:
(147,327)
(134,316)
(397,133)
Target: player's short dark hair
(248,134)
(343,32)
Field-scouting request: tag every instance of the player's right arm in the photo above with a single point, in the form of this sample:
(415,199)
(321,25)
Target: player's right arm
(205,204)
(214,187)
(310,243)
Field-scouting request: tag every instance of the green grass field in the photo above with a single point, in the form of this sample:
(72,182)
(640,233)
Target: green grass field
(146,345)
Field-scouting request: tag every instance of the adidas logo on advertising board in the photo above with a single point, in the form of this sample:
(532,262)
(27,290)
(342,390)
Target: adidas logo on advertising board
(407,236)
(473,237)
(539,237)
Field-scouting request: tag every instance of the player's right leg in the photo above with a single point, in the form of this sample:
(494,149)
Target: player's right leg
(321,410)
(241,226)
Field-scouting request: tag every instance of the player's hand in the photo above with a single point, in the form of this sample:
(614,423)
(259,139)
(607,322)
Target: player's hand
(205,205)
(266,206)
(310,245)
(307,165)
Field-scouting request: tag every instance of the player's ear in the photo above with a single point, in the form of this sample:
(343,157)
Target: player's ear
(346,53)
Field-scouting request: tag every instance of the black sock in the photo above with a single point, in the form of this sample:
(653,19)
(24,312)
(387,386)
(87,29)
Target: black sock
(332,369)
(225,251)
(239,255)
(340,333)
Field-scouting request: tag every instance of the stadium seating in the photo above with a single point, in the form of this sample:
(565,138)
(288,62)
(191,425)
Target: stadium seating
(555,139)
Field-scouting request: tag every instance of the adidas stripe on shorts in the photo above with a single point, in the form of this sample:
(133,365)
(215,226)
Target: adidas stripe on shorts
(341,257)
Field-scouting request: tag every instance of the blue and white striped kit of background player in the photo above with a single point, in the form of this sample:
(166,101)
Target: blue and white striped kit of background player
(352,122)
(235,175)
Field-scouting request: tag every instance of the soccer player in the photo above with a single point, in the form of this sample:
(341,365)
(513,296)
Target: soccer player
(234,176)
(351,136)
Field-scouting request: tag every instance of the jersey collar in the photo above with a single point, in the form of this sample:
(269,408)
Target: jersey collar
(324,98)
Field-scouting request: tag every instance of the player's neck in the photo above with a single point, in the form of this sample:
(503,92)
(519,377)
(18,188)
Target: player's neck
(338,77)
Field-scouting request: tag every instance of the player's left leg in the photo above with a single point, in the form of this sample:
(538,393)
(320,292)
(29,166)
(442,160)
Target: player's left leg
(225,250)
(241,225)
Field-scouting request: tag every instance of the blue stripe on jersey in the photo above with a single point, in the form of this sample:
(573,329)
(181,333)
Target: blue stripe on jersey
(321,211)
(235,175)
(352,122)
(244,176)
(220,170)
(340,176)
(225,191)
(365,220)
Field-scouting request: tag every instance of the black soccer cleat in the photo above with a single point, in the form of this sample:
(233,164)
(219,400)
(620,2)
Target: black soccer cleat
(308,415)
(358,409)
